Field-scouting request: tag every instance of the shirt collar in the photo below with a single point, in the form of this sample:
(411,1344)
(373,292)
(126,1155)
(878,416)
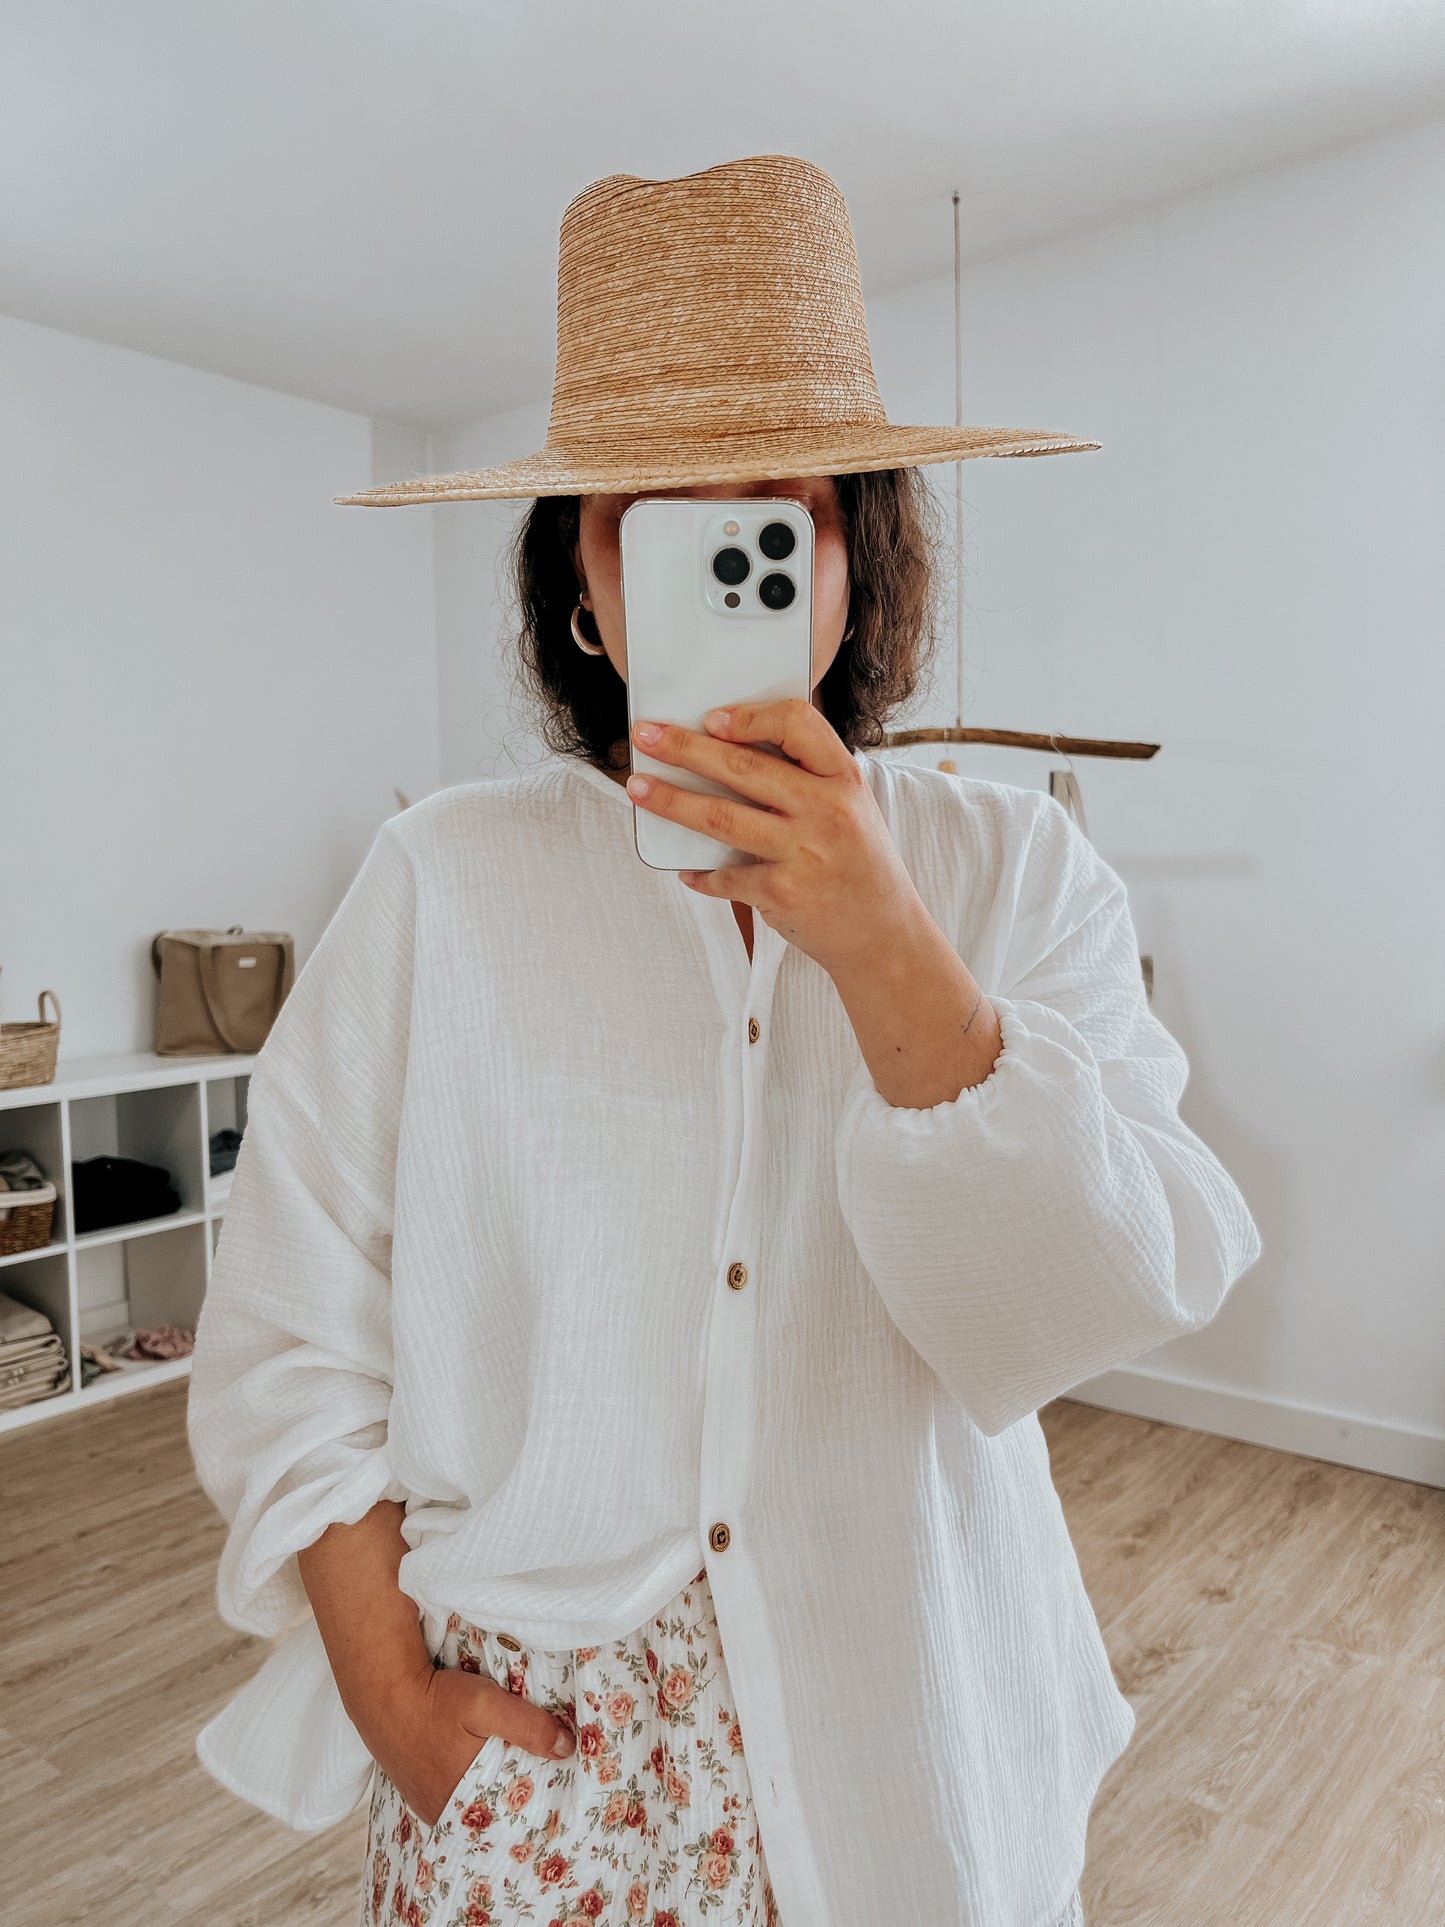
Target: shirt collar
(590,773)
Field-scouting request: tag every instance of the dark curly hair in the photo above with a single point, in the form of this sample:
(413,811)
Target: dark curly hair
(891,518)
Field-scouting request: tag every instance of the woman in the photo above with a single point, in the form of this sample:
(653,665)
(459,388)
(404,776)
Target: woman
(618,1265)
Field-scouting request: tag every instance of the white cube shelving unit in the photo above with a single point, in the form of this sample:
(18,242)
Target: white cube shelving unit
(161,1110)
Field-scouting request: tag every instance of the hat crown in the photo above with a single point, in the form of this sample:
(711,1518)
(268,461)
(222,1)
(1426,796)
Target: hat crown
(726,302)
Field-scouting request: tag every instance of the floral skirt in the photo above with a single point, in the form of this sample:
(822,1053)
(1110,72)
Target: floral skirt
(649,1823)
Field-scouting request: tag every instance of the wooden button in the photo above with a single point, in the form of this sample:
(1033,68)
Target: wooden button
(755,1030)
(512,1645)
(737,1276)
(718,1537)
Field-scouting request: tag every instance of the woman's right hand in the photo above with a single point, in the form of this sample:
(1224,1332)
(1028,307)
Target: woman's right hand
(431,1729)
(423,1725)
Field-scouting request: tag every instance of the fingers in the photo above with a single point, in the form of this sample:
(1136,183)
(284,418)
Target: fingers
(739,882)
(731,822)
(756,774)
(738,824)
(800,730)
(520,1721)
(780,810)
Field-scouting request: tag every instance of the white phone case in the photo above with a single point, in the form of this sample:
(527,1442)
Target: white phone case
(697,641)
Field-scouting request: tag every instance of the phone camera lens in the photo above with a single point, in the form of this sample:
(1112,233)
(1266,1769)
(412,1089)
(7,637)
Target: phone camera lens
(731,565)
(776,541)
(776,591)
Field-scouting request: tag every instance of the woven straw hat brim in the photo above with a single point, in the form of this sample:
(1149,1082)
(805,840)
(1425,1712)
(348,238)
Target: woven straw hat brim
(771,456)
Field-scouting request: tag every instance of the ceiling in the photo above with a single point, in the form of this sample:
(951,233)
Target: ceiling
(357,200)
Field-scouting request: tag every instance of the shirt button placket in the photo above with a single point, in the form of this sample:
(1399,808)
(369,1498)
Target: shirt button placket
(729,1439)
(728,1419)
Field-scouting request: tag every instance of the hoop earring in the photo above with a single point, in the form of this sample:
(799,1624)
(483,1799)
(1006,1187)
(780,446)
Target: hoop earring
(592,648)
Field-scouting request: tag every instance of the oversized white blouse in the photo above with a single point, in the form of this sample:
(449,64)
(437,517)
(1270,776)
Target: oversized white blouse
(561,1220)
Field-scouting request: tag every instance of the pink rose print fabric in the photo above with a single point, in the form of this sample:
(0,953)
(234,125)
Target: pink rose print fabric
(650,1823)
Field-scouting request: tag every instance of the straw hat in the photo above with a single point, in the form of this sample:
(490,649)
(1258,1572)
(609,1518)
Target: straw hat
(711,329)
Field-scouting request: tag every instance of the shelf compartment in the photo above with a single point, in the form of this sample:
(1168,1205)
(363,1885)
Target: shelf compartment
(160,1125)
(225,1110)
(157,1278)
(39,1280)
(38,1128)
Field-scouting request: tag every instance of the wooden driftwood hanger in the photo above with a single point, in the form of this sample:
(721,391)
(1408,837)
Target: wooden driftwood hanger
(1018,739)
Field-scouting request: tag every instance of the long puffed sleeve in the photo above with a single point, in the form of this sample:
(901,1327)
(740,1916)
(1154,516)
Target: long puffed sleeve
(291,1376)
(1058,1218)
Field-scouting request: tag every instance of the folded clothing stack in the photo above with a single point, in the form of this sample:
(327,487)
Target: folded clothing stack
(33,1361)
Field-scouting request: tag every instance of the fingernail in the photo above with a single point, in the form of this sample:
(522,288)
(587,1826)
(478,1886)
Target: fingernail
(717,719)
(638,785)
(563,1745)
(648,732)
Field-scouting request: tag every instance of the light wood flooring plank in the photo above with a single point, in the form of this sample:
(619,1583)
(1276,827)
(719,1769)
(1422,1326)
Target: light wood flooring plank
(1276,1622)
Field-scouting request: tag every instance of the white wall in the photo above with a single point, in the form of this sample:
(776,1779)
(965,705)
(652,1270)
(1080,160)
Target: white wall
(1248,574)
(485,718)
(211,678)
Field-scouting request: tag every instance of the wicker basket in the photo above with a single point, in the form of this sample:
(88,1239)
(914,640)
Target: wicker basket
(26,1227)
(27,1051)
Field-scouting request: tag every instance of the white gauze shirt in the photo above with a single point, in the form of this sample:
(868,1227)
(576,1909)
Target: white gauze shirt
(565,1223)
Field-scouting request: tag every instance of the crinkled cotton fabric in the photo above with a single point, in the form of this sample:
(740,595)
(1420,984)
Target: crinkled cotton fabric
(590,1239)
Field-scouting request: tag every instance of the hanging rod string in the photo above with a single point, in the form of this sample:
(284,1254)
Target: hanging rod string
(957,467)
(1060,745)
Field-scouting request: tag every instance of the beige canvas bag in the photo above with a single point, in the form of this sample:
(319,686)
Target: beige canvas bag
(219,990)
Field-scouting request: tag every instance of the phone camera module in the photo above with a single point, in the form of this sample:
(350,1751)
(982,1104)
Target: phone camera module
(776,591)
(777,541)
(731,566)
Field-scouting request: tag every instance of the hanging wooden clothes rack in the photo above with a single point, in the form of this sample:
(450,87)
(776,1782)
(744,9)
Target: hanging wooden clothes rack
(1063,783)
(1020,739)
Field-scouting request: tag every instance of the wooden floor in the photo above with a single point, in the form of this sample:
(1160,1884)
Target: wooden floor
(1277,1622)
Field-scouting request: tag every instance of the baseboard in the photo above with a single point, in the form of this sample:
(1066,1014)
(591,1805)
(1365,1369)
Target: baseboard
(1395,1450)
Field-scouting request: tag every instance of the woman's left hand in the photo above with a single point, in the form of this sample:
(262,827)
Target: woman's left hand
(829,877)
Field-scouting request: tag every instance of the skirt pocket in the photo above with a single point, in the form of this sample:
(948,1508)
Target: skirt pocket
(473,1785)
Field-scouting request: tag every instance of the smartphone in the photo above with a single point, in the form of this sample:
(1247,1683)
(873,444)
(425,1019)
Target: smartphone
(717,601)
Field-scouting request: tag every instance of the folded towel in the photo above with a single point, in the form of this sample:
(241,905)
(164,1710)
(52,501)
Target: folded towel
(23,1381)
(20,1321)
